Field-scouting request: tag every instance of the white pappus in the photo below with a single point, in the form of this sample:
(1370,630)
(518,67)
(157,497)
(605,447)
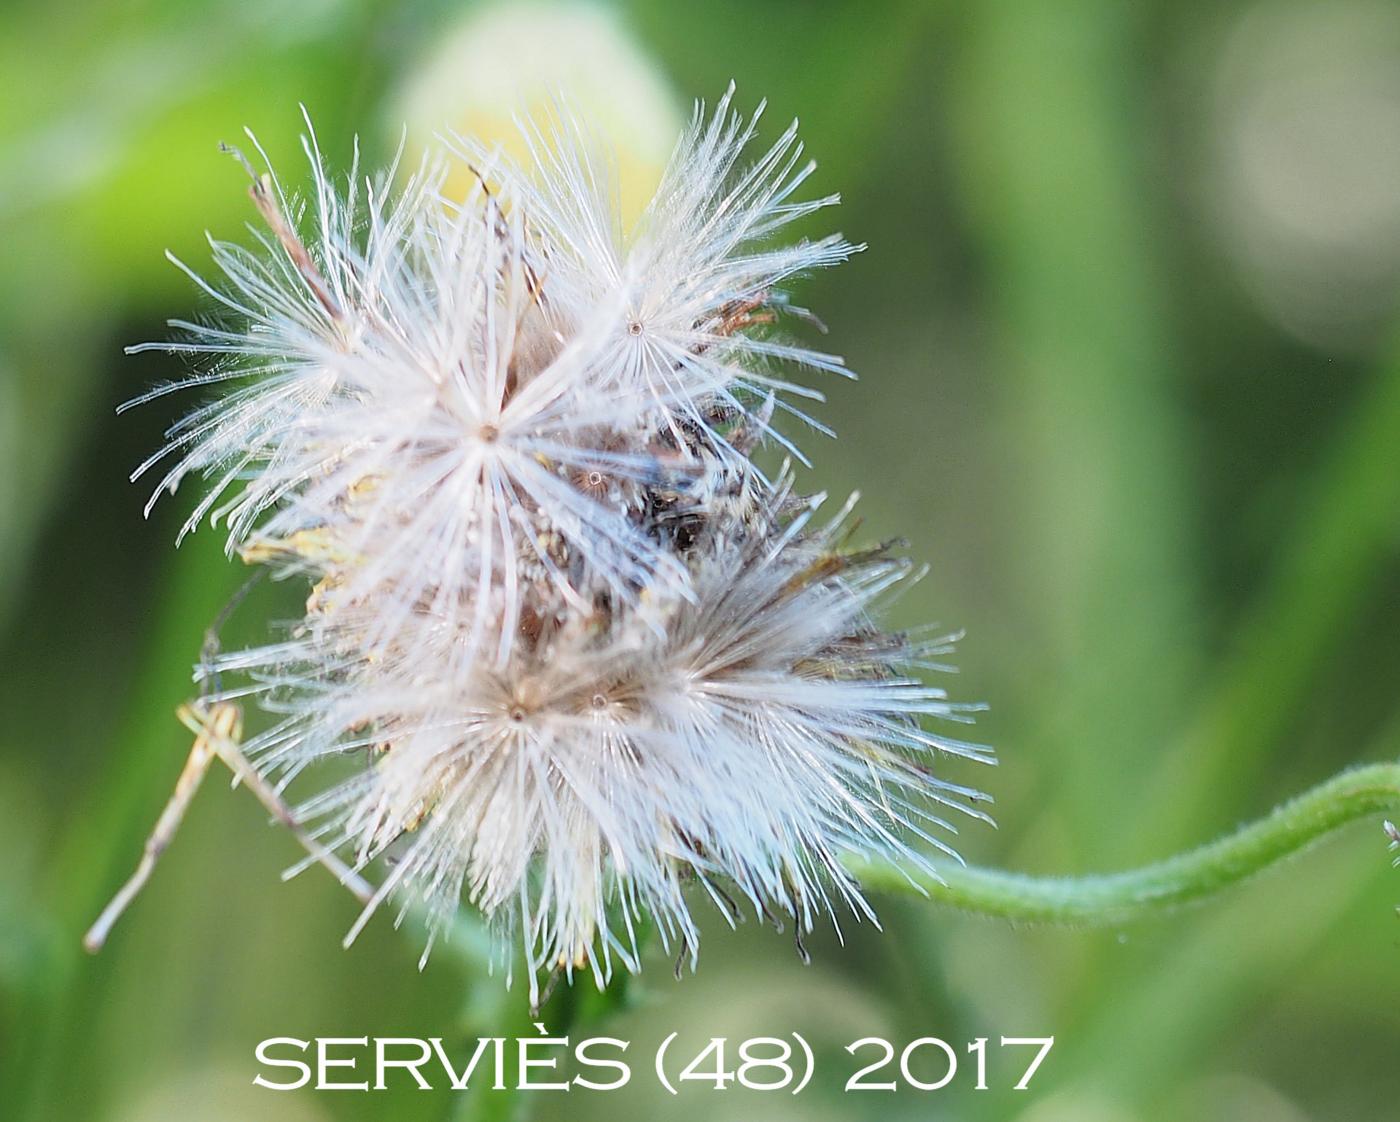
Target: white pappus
(589,663)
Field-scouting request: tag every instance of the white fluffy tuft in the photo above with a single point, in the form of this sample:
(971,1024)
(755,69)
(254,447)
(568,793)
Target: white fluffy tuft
(590,659)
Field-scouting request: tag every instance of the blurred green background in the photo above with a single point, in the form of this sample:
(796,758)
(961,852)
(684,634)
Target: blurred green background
(1130,384)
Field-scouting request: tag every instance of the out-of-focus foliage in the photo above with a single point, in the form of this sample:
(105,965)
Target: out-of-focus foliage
(1130,384)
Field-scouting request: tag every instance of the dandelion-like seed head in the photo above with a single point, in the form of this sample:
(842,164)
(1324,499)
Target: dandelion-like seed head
(590,663)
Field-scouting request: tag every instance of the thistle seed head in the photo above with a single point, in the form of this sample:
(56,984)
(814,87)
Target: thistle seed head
(590,662)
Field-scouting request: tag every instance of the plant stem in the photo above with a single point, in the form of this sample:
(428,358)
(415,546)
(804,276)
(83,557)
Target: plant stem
(1109,899)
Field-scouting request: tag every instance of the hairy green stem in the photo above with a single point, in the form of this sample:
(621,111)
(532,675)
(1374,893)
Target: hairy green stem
(1113,898)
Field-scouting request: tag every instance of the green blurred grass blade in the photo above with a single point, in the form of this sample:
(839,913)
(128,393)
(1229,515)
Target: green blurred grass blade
(1061,212)
(104,832)
(1348,527)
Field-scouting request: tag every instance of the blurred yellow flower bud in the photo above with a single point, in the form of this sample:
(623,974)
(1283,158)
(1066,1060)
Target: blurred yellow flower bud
(505,61)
